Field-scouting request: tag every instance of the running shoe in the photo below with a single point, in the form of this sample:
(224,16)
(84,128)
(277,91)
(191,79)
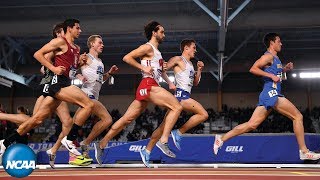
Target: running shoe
(176,136)
(2,150)
(52,158)
(309,155)
(70,146)
(79,161)
(98,152)
(165,149)
(217,144)
(145,156)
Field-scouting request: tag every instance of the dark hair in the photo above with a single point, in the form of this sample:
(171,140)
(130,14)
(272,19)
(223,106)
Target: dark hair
(269,37)
(186,42)
(150,27)
(22,109)
(69,23)
(57,29)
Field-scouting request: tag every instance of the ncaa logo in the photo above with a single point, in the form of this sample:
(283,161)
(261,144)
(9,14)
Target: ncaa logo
(19,160)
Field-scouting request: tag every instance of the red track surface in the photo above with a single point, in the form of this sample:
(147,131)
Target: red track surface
(171,173)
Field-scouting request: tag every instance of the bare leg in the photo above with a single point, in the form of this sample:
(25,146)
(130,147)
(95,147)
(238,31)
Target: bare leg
(14,118)
(285,107)
(75,95)
(258,116)
(38,104)
(66,120)
(162,97)
(48,105)
(156,135)
(200,114)
(188,105)
(105,121)
(133,111)
(20,118)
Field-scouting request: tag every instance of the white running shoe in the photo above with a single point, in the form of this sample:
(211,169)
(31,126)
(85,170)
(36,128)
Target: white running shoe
(217,144)
(70,146)
(309,155)
(52,158)
(2,150)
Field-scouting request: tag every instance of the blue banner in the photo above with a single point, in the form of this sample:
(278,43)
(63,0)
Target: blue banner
(198,149)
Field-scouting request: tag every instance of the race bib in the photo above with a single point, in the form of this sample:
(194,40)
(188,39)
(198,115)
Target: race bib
(46,88)
(72,73)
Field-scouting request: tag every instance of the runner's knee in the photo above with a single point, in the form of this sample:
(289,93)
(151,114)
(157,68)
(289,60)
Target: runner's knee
(107,120)
(205,115)
(89,105)
(298,117)
(67,123)
(177,107)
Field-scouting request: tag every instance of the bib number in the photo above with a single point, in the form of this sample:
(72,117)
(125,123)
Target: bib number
(178,93)
(46,88)
(72,73)
(272,93)
(54,79)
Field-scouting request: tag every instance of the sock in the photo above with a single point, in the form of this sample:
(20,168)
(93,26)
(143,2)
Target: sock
(11,139)
(148,151)
(179,133)
(23,139)
(73,134)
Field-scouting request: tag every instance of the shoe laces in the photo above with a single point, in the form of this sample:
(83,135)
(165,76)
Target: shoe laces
(312,153)
(218,142)
(167,149)
(166,146)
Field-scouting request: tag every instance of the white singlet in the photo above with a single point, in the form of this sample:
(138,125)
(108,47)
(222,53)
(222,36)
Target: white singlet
(156,62)
(185,78)
(94,74)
